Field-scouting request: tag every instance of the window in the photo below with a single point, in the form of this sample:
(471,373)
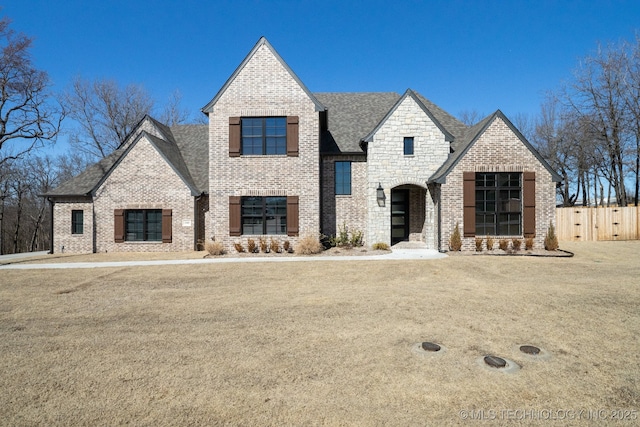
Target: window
(408,146)
(343,177)
(264,215)
(498,198)
(77,222)
(264,135)
(143,225)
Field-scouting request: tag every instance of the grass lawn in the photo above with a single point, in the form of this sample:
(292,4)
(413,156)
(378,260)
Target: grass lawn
(322,343)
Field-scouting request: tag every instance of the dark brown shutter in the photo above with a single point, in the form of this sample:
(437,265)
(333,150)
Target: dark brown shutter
(234,136)
(469,201)
(292,216)
(292,136)
(235,216)
(166,225)
(529,204)
(118,225)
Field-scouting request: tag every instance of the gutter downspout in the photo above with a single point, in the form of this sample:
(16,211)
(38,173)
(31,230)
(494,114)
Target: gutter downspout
(51,204)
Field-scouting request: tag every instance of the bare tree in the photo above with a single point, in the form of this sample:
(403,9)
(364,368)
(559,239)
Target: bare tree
(470,117)
(105,113)
(28,115)
(597,96)
(174,113)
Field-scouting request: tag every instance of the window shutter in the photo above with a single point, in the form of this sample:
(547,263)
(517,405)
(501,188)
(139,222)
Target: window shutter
(529,204)
(118,225)
(292,216)
(292,136)
(235,216)
(469,202)
(166,225)
(234,137)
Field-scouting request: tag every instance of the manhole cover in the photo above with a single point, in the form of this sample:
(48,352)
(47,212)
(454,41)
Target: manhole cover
(430,346)
(495,361)
(529,349)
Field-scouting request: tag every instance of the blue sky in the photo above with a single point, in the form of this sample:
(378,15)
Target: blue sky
(462,55)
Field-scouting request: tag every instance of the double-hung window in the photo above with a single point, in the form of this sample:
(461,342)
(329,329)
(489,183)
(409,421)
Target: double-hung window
(144,225)
(343,178)
(498,204)
(264,215)
(264,135)
(77,222)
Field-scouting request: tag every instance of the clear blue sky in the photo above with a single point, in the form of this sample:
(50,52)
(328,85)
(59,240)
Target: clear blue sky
(463,55)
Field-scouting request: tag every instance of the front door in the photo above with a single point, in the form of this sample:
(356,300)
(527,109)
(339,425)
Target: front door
(399,216)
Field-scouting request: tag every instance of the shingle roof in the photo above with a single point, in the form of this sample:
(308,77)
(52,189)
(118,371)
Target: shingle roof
(462,145)
(351,116)
(184,147)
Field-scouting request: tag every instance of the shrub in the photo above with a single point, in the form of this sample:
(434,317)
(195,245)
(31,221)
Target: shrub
(275,246)
(478,244)
(503,244)
(309,245)
(239,247)
(287,246)
(356,238)
(200,245)
(551,240)
(380,246)
(516,243)
(215,248)
(251,244)
(528,243)
(455,241)
(263,245)
(489,243)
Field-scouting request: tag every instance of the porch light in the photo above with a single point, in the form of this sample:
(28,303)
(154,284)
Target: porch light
(380,197)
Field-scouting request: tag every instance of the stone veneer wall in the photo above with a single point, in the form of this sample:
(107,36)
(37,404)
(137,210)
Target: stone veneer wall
(497,150)
(349,210)
(387,165)
(62,237)
(143,180)
(263,87)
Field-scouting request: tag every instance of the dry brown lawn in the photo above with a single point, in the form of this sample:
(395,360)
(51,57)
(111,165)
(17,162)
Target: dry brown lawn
(324,343)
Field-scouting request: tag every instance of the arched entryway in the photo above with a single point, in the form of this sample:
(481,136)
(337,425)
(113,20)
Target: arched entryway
(408,214)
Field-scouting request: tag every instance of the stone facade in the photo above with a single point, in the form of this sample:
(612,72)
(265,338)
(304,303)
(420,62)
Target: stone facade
(389,167)
(264,87)
(498,149)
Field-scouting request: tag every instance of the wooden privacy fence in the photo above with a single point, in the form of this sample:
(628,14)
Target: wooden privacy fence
(591,224)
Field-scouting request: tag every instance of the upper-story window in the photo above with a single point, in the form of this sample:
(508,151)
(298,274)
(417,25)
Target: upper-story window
(264,135)
(408,146)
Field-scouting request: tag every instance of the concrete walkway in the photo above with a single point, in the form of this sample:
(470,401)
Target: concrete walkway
(397,253)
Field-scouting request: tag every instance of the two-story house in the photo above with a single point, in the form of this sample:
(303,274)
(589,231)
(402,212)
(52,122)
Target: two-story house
(278,161)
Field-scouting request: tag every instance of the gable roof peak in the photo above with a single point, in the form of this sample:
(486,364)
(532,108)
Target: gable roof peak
(261,42)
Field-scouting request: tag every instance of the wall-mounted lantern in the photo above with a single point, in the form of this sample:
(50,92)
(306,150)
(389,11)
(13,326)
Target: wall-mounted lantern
(380,197)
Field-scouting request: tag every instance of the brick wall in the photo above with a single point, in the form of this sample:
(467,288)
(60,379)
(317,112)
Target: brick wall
(143,180)
(349,210)
(497,150)
(63,240)
(263,87)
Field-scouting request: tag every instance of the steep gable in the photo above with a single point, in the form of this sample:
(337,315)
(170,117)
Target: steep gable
(472,135)
(277,69)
